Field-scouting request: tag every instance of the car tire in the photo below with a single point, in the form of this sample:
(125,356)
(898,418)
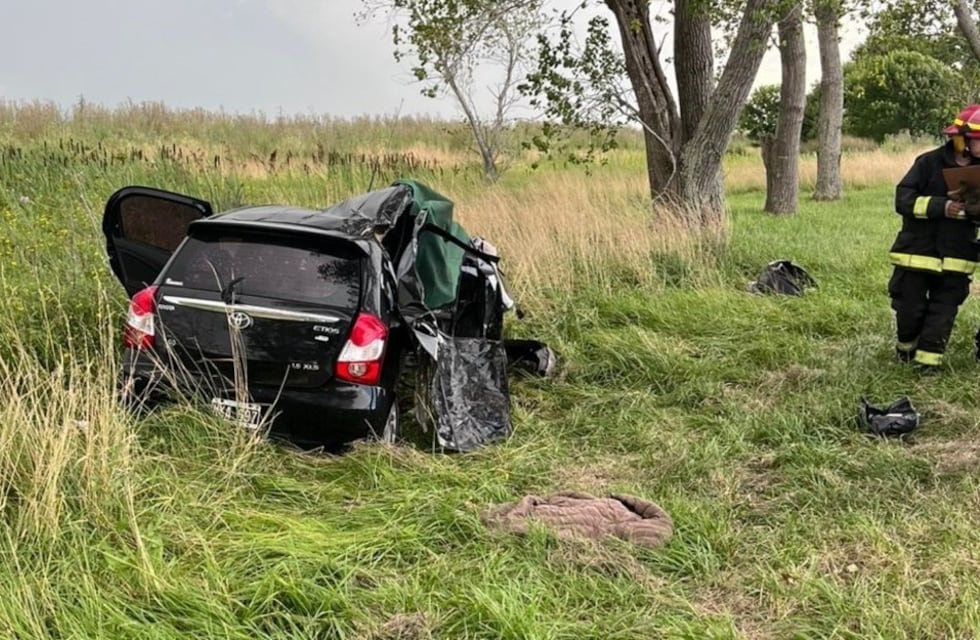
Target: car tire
(391,432)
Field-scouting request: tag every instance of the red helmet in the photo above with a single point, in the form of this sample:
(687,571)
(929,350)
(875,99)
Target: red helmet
(964,123)
(971,126)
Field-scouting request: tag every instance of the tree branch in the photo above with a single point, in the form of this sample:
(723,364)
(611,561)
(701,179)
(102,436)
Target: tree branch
(969,28)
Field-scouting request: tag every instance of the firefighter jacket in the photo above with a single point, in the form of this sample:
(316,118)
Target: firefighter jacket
(929,241)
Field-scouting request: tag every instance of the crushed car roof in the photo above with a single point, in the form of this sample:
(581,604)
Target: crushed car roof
(360,216)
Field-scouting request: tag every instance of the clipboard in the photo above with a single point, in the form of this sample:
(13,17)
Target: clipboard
(955,177)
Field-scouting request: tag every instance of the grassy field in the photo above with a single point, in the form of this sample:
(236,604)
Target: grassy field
(736,413)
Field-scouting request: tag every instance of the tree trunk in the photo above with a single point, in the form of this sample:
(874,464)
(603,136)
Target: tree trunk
(783,166)
(686,169)
(695,62)
(967,26)
(829,184)
(464,100)
(655,103)
(700,186)
(767,148)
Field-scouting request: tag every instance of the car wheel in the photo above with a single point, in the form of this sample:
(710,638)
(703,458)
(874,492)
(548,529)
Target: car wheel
(392,430)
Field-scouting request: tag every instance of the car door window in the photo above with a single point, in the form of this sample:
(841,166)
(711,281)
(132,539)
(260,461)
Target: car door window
(155,222)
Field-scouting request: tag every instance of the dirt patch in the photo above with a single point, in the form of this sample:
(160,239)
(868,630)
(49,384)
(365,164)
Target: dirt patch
(608,561)
(748,615)
(598,475)
(791,378)
(952,456)
(402,626)
(768,390)
(950,415)
(756,484)
(573,515)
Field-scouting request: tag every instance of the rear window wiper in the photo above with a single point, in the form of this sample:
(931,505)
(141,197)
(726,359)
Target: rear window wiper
(228,291)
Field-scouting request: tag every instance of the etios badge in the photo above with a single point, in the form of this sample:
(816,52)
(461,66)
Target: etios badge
(240,320)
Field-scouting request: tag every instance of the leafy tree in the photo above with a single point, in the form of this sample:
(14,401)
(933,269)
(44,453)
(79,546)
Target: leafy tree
(929,27)
(451,42)
(685,136)
(618,75)
(900,90)
(761,113)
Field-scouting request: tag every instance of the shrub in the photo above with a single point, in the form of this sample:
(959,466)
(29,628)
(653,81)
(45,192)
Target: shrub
(901,90)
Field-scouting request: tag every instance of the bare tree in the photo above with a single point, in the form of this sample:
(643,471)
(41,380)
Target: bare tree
(781,153)
(453,44)
(830,123)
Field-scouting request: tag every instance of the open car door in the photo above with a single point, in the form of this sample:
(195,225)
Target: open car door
(142,228)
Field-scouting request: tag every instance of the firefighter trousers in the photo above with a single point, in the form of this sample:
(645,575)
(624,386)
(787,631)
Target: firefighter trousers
(925,305)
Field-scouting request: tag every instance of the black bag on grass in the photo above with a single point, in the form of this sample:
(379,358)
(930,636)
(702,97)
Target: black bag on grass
(897,419)
(782,277)
(532,357)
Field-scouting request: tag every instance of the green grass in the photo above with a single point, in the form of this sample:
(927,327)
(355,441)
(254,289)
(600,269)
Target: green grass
(734,412)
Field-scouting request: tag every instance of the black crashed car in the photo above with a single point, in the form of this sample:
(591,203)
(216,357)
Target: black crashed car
(279,317)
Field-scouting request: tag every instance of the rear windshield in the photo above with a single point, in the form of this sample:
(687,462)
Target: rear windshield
(283,267)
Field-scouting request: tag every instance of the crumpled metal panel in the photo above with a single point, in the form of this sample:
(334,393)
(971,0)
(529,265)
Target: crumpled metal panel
(371,213)
(469,398)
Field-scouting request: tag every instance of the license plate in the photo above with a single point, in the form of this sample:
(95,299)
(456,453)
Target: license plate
(247,413)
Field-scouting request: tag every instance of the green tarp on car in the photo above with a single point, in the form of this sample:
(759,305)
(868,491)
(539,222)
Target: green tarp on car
(437,261)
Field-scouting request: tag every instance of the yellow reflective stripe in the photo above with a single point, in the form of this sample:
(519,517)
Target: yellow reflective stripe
(959,265)
(912,261)
(921,207)
(907,346)
(929,358)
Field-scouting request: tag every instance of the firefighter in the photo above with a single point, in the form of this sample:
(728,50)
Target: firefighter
(934,253)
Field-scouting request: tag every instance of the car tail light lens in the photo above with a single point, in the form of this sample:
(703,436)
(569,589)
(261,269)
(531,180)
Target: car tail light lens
(360,359)
(138,332)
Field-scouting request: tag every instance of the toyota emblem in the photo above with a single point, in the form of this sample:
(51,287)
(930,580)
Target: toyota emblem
(240,320)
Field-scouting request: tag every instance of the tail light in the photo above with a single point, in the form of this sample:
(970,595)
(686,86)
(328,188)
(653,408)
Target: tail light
(360,359)
(138,332)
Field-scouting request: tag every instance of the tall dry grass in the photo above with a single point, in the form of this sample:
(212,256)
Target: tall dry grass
(859,170)
(65,447)
(564,232)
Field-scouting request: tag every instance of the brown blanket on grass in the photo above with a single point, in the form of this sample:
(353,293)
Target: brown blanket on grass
(581,515)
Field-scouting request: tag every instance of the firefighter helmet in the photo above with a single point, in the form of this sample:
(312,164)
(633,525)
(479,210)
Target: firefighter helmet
(960,125)
(971,125)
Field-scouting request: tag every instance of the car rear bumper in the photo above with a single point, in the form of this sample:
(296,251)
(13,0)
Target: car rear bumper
(335,413)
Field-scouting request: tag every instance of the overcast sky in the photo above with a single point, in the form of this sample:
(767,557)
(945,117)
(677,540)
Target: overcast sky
(290,56)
